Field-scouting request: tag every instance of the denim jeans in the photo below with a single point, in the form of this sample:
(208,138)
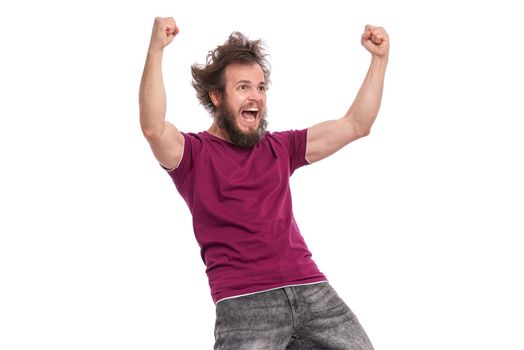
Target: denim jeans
(299,317)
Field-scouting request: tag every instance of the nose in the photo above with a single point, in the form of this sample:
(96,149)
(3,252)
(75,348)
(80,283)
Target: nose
(255,95)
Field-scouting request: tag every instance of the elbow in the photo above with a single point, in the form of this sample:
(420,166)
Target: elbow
(151,133)
(362,131)
(151,130)
(359,129)
(148,134)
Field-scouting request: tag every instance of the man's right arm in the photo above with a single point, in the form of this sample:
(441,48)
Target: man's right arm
(167,143)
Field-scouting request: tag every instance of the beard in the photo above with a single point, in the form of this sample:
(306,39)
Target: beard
(227,122)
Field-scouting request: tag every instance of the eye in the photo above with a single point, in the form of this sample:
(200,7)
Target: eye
(262,88)
(242,87)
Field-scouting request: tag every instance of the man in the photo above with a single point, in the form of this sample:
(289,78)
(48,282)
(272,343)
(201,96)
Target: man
(234,177)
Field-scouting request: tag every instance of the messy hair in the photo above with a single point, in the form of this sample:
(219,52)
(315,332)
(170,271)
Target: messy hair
(237,49)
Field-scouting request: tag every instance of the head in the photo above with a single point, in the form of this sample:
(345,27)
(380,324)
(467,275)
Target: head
(232,87)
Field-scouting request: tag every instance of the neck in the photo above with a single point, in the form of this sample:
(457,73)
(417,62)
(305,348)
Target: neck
(218,132)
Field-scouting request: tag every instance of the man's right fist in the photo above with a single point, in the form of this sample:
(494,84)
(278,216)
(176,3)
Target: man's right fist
(164,31)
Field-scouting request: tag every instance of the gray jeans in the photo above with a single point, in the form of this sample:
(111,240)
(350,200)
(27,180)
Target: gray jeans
(299,317)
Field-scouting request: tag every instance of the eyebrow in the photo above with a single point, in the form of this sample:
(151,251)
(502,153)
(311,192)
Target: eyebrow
(249,82)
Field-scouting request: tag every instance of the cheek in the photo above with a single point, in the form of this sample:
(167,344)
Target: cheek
(234,104)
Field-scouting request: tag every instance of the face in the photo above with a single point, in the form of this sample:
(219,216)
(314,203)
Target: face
(242,110)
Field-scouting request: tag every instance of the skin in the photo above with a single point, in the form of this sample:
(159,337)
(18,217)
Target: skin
(167,143)
(245,87)
(328,137)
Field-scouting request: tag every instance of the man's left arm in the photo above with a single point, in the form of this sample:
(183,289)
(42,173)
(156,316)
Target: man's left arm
(328,137)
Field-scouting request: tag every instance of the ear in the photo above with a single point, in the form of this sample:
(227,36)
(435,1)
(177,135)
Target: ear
(215,97)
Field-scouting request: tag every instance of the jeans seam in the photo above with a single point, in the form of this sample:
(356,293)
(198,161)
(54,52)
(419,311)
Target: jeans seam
(287,292)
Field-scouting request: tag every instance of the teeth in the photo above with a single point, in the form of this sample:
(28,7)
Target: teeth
(252,109)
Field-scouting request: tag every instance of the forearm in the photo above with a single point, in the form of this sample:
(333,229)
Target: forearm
(152,95)
(365,107)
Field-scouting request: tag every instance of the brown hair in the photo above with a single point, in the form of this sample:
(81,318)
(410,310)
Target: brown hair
(237,49)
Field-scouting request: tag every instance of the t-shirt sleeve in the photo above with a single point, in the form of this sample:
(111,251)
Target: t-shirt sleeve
(180,173)
(297,149)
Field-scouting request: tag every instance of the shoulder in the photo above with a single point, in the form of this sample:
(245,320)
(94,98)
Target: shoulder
(287,133)
(288,137)
(193,146)
(199,139)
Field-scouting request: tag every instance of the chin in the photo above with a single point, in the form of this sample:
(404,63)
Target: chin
(248,129)
(240,134)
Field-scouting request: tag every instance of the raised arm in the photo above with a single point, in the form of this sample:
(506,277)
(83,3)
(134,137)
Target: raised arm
(166,141)
(328,137)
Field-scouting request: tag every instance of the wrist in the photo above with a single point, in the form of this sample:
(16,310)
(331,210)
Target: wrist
(380,60)
(155,52)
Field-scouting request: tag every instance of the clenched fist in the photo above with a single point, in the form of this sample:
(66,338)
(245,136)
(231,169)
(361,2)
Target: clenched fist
(376,41)
(164,31)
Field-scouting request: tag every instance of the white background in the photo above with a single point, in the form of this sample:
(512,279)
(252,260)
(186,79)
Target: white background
(417,226)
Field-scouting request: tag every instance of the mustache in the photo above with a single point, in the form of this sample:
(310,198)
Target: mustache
(227,122)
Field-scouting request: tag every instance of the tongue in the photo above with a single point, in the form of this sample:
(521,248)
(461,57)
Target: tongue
(248,115)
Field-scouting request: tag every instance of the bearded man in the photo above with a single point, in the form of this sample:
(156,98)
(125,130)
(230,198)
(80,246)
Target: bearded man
(234,177)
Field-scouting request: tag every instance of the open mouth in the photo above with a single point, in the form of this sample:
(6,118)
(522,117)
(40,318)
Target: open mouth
(250,114)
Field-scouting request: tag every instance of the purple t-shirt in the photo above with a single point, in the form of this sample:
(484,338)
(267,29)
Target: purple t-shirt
(243,221)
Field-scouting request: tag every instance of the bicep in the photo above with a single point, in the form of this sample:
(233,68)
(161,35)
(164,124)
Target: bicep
(168,147)
(326,138)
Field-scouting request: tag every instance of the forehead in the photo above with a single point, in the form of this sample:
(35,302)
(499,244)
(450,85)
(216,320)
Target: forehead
(236,72)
